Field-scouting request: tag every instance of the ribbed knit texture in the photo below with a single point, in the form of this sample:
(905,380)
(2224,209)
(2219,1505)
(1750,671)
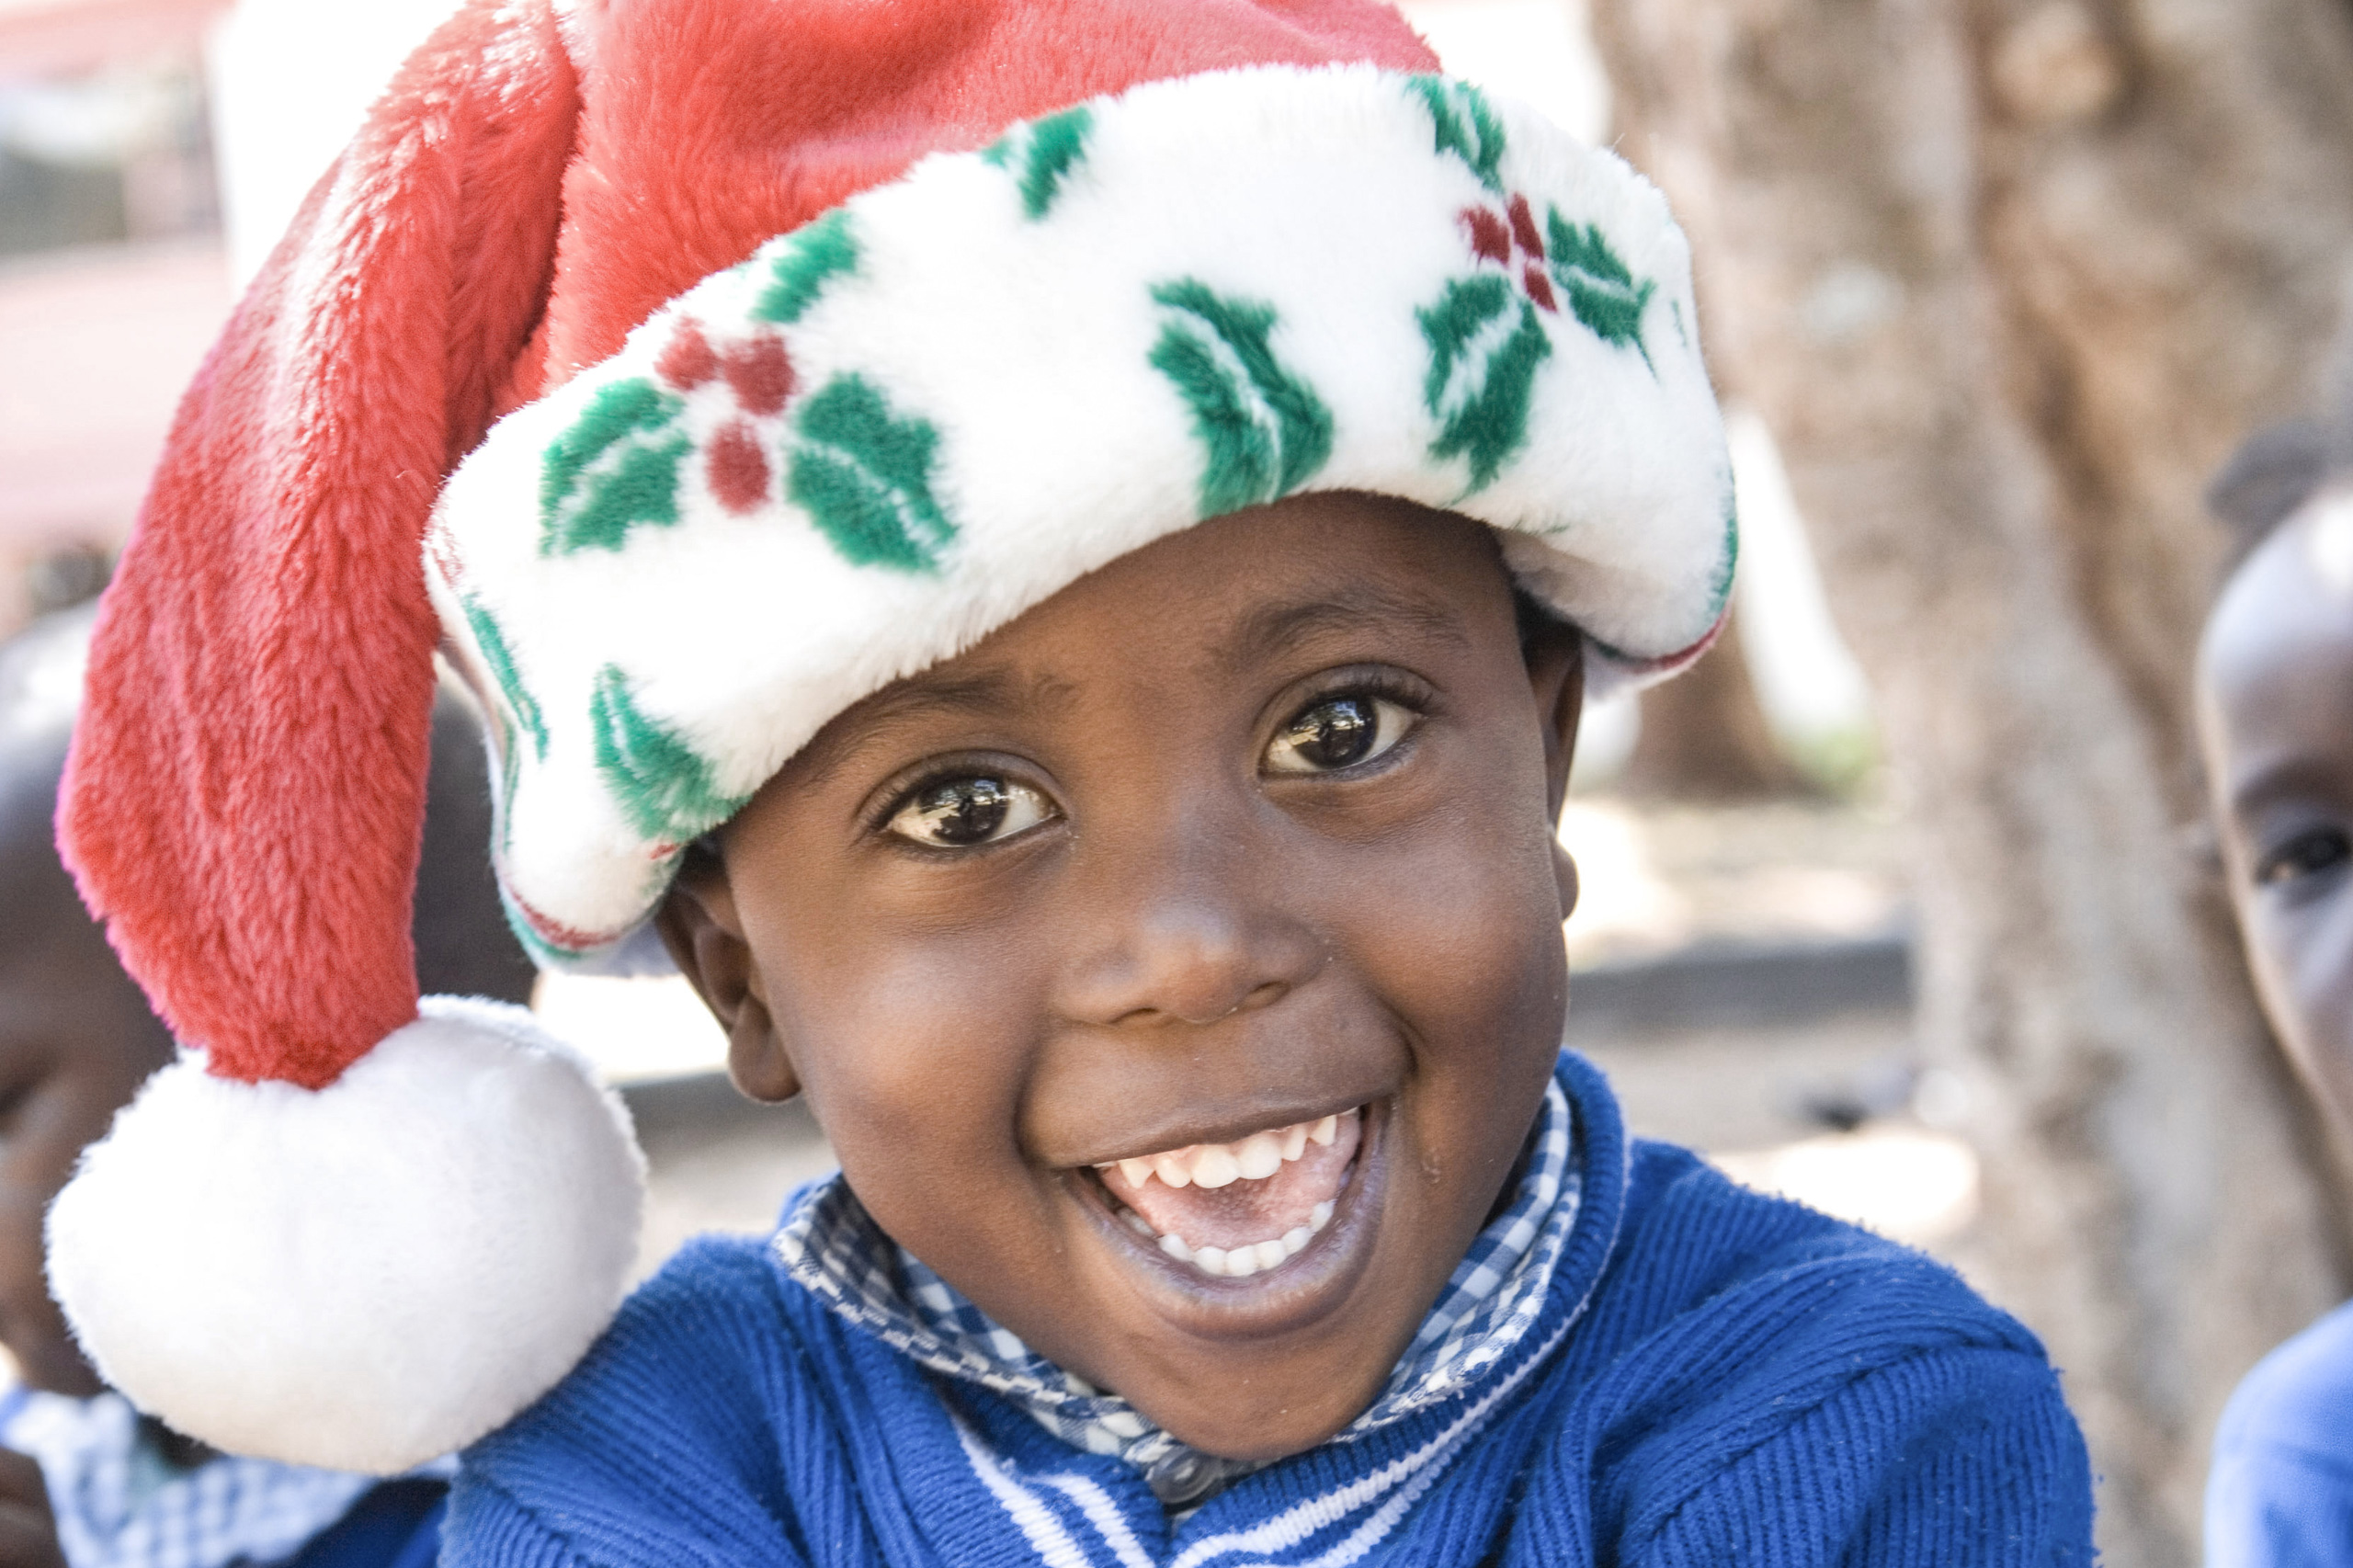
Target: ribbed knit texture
(1717,1378)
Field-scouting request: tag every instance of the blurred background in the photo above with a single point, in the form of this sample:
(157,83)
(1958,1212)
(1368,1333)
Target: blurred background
(1900,901)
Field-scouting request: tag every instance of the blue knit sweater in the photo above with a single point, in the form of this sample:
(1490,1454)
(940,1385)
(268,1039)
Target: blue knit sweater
(1717,1378)
(2280,1494)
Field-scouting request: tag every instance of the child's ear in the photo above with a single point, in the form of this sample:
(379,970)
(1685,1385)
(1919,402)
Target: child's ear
(1555,654)
(699,925)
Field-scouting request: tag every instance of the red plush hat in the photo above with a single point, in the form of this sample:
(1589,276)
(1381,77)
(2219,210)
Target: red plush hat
(821,338)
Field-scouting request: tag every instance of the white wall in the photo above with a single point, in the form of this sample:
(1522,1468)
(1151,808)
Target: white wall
(1536,51)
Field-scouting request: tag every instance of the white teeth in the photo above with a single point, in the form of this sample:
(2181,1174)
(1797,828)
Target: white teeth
(1253,1158)
(1241,1262)
(1260,1155)
(1215,1166)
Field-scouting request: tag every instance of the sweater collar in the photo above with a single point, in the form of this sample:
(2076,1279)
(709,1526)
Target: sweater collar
(834,1249)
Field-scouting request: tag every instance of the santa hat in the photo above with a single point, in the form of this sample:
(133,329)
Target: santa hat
(962,300)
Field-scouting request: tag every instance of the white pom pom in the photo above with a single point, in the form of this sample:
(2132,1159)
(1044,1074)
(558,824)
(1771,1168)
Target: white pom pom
(365,1275)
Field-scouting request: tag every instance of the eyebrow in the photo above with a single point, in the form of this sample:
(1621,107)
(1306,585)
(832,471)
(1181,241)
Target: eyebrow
(1276,630)
(2281,778)
(983,693)
(1267,633)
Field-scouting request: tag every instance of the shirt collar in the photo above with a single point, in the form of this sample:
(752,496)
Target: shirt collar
(119,1504)
(833,1248)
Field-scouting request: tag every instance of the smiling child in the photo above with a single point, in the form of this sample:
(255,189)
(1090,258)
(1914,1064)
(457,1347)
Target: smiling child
(1047,556)
(2275,711)
(1221,886)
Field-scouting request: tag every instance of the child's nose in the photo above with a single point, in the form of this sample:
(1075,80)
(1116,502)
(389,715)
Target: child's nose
(1191,939)
(1179,970)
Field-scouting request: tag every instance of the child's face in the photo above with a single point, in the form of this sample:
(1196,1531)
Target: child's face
(1250,831)
(2276,719)
(77,1040)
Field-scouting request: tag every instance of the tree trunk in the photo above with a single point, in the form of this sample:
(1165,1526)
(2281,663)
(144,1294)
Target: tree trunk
(2007,279)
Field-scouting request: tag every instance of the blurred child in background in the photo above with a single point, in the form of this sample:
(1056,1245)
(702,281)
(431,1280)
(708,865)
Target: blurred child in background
(85,1481)
(2275,709)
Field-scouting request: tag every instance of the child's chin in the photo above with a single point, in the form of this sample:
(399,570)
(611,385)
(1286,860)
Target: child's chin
(1262,1429)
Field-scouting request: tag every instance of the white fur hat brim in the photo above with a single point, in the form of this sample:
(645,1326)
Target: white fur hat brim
(893,431)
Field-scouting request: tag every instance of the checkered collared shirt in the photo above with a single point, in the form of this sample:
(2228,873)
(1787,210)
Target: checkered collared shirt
(833,1249)
(118,1504)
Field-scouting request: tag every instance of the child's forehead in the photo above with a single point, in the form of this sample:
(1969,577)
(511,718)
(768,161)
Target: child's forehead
(1241,591)
(2275,665)
(51,951)
(37,904)
(1218,609)
(1369,556)
(66,1006)
(29,773)
(2288,607)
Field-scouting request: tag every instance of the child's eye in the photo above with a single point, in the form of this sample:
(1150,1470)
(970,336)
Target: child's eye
(1336,733)
(2318,849)
(955,813)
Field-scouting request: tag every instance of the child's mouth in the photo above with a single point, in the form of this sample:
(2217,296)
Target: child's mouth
(1235,1210)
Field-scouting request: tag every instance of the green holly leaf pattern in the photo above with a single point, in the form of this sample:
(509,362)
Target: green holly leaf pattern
(491,639)
(1466,126)
(615,468)
(1040,155)
(662,785)
(1264,429)
(1602,290)
(864,476)
(1720,585)
(1486,345)
(518,707)
(816,254)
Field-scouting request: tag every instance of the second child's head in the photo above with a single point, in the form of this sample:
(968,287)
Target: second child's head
(76,1039)
(2275,712)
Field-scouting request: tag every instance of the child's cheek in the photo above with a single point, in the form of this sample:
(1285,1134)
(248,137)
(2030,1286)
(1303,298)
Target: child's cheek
(928,1034)
(2303,970)
(1468,927)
